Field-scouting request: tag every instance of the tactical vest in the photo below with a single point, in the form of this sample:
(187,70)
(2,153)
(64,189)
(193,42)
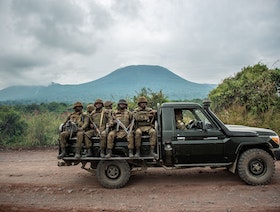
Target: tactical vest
(142,116)
(77,118)
(96,118)
(123,116)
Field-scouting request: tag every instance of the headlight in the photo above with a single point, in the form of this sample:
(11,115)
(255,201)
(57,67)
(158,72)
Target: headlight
(275,139)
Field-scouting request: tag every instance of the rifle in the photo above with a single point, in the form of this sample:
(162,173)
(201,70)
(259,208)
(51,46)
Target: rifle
(119,123)
(95,127)
(131,127)
(71,127)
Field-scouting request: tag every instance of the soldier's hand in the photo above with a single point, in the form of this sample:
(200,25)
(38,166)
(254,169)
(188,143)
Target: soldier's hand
(151,114)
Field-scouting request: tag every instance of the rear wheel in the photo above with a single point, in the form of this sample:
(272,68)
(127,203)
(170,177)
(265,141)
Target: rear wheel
(113,173)
(256,167)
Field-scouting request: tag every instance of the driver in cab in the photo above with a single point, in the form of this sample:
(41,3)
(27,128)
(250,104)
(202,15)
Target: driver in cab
(180,124)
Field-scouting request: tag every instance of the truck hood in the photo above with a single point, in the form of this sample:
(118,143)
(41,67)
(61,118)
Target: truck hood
(240,129)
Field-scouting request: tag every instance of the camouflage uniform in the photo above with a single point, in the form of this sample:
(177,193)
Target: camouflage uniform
(143,120)
(108,106)
(79,119)
(124,116)
(102,120)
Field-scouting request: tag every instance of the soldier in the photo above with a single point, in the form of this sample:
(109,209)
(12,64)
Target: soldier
(180,124)
(144,117)
(100,121)
(122,128)
(81,135)
(108,105)
(90,108)
(75,124)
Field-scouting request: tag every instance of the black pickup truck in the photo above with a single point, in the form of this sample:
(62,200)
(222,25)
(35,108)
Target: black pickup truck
(204,141)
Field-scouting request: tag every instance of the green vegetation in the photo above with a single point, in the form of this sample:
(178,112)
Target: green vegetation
(30,125)
(12,126)
(36,125)
(249,98)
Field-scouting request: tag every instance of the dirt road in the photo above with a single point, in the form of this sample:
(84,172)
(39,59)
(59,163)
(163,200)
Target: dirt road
(32,181)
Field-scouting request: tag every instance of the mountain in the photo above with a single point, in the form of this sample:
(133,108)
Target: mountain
(122,83)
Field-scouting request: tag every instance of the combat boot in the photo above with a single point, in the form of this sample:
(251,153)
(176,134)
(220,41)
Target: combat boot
(78,154)
(89,153)
(130,153)
(62,154)
(137,154)
(109,153)
(102,153)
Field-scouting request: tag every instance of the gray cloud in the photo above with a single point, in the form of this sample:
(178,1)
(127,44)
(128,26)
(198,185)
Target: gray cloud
(202,41)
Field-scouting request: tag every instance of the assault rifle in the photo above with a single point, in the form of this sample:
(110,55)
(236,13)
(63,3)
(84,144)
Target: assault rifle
(95,127)
(119,123)
(131,127)
(71,127)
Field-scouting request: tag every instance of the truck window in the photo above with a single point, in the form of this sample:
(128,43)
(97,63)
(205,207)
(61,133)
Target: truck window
(191,119)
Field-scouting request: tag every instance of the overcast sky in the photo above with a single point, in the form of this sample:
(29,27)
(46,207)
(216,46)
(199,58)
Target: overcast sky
(74,41)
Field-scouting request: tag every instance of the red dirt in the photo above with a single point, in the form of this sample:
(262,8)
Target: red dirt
(30,180)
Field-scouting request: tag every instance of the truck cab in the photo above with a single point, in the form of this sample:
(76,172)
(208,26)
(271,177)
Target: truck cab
(204,140)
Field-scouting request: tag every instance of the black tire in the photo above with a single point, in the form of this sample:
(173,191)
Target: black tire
(113,173)
(256,167)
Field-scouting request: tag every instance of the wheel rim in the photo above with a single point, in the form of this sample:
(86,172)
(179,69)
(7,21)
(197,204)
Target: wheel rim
(257,167)
(113,172)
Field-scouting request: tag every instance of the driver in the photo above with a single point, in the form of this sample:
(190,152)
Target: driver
(180,124)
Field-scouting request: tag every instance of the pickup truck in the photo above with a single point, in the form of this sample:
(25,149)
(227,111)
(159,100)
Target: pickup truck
(205,141)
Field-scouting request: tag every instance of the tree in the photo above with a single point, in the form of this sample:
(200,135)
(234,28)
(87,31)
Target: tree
(152,97)
(249,98)
(254,87)
(12,127)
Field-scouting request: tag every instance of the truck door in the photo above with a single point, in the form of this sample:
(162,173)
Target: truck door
(196,138)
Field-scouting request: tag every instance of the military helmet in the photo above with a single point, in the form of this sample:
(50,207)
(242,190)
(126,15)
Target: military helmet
(90,107)
(142,99)
(122,101)
(98,101)
(77,104)
(108,104)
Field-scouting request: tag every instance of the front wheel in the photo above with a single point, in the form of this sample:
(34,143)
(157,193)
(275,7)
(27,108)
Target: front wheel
(256,167)
(113,173)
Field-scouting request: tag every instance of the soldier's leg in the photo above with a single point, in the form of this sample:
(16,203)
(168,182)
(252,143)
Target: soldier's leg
(110,143)
(103,143)
(63,137)
(88,134)
(130,144)
(138,134)
(80,138)
(153,140)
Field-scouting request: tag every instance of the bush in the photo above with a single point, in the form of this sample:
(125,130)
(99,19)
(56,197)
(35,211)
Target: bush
(12,127)
(42,129)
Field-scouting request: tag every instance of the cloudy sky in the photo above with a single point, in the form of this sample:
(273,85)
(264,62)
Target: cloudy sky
(74,41)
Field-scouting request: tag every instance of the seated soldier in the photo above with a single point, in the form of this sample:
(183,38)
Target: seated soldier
(74,125)
(100,122)
(144,117)
(122,128)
